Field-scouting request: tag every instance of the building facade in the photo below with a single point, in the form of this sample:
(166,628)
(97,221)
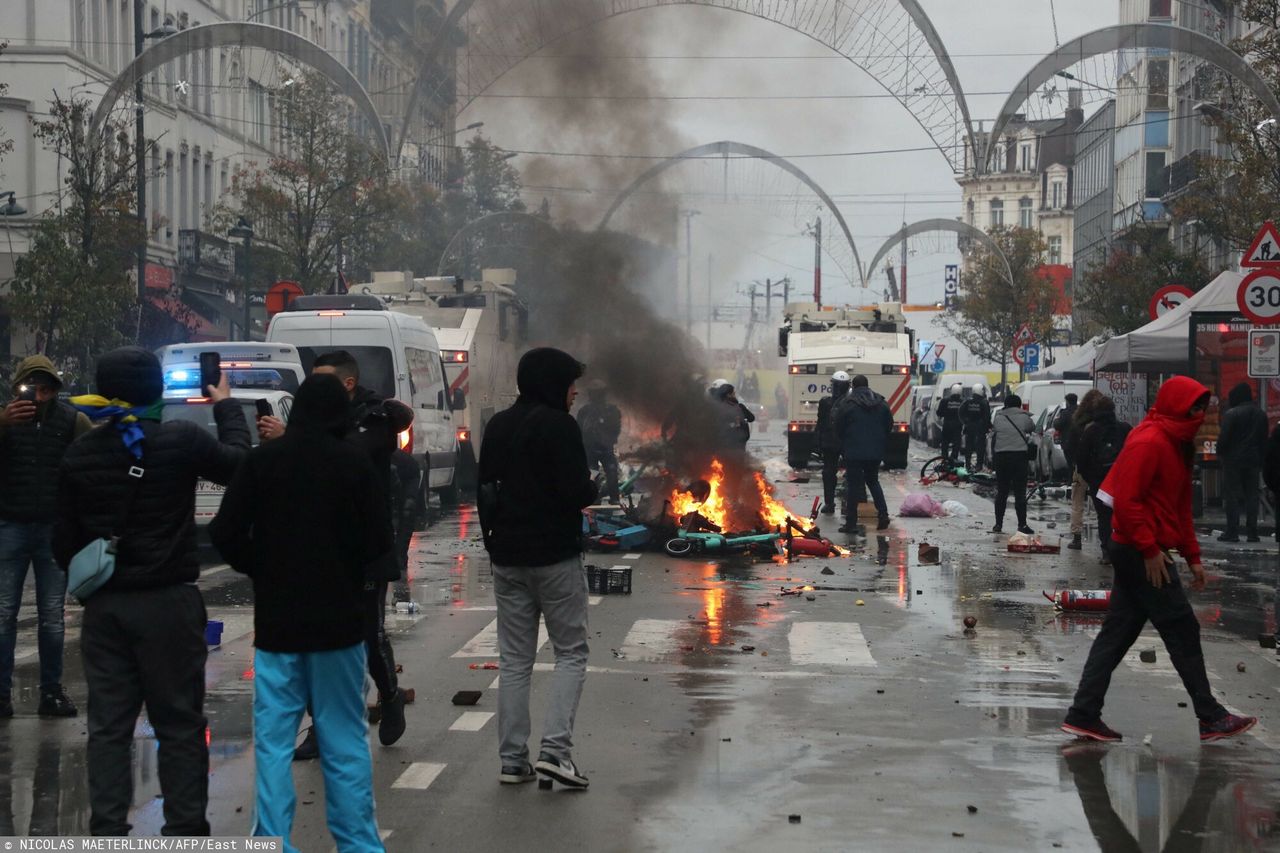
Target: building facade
(208,114)
(1094,191)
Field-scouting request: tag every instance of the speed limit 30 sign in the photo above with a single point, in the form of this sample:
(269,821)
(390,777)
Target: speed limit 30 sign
(1259,297)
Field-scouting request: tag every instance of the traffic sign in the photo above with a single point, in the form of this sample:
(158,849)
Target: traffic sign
(280,294)
(1264,251)
(940,365)
(1024,335)
(1259,297)
(1264,353)
(1027,356)
(1168,298)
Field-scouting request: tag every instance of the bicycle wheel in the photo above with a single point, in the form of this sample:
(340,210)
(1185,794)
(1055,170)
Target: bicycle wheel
(934,469)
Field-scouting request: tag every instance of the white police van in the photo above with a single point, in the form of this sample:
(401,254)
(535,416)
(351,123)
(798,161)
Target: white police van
(399,358)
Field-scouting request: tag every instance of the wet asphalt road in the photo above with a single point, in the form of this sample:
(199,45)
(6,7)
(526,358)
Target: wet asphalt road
(881,724)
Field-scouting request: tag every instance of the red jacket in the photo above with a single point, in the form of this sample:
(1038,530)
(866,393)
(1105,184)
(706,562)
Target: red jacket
(1149,487)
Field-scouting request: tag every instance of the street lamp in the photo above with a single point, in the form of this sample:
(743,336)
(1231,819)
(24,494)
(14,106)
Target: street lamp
(12,208)
(688,268)
(140,141)
(242,230)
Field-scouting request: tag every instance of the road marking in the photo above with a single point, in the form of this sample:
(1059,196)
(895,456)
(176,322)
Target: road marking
(650,639)
(594,599)
(497,680)
(419,775)
(829,644)
(484,607)
(485,644)
(471,721)
(631,556)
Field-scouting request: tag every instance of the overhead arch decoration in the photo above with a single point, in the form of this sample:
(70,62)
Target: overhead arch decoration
(1128,37)
(243,34)
(926,226)
(893,41)
(727,148)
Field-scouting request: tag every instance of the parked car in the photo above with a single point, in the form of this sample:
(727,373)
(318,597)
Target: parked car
(924,395)
(1040,394)
(1051,460)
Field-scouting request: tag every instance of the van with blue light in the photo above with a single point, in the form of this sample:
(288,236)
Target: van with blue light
(259,375)
(399,358)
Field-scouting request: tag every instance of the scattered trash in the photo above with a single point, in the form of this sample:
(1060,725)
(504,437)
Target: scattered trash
(617,655)
(764,604)
(919,592)
(880,690)
(827,570)
(1147,655)
(793,818)
(406,607)
(972,809)
(544,784)
(486,665)
(811,598)
(213,633)
(1182,704)
(955,509)
(1240,667)
(748,648)
(1021,543)
(957,835)
(918,505)
(971,622)
(1267,641)
(860,602)
(466,697)
(1146,741)
(1081,601)
(726,740)
(929,555)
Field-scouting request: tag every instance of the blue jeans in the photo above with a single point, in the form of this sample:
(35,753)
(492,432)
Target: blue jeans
(333,684)
(24,544)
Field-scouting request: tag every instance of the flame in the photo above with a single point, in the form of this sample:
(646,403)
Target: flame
(715,508)
(773,513)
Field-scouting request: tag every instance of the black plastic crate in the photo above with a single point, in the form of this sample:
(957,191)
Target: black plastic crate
(615,581)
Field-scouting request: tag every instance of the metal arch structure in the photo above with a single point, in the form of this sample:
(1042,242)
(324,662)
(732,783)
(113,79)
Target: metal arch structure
(509,224)
(1126,37)
(893,41)
(727,148)
(925,226)
(242,34)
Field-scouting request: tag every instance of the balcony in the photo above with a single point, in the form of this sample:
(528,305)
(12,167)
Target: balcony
(1182,174)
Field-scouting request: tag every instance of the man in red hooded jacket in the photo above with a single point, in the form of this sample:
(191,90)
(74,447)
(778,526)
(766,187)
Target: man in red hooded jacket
(1149,490)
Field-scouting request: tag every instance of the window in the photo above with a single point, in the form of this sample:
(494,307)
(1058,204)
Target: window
(1161,9)
(1157,84)
(997,213)
(1024,213)
(1055,250)
(425,373)
(1157,183)
(1059,196)
(168,195)
(1025,163)
(377,367)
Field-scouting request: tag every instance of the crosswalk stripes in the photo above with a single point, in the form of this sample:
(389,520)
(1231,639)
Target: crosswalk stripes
(829,644)
(471,721)
(485,643)
(419,775)
(651,639)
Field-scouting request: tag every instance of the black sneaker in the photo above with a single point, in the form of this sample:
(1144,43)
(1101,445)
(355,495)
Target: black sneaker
(1075,544)
(1229,537)
(391,724)
(6,706)
(309,749)
(516,774)
(829,509)
(562,770)
(1228,726)
(54,702)
(1024,530)
(882,523)
(1097,730)
(997,529)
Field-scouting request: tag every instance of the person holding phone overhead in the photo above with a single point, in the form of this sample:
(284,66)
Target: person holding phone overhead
(36,428)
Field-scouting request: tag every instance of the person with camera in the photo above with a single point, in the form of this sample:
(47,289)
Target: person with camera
(36,428)
(132,481)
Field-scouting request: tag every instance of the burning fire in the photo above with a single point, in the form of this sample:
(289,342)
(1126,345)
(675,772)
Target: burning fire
(718,509)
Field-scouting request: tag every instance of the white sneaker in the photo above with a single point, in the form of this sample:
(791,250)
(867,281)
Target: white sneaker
(562,770)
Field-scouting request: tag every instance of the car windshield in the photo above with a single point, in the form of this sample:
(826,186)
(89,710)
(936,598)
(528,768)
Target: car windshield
(201,414)
(377,368)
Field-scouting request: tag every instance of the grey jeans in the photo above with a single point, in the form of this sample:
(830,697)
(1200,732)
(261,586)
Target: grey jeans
(525,595)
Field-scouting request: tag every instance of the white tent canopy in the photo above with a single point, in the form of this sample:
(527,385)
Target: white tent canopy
(1164,341)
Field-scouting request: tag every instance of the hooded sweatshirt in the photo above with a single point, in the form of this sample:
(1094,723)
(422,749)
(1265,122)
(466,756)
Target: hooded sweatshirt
(864,421)
(1149,487)
(533,451)
(31,452)
(308,565)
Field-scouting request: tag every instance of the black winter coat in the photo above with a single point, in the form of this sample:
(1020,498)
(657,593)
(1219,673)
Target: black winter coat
(1243,438)
(828,435)
(303,518)
(1098,446)
(864,422)
(949,414)
(534,452)
(601,424)
(30,454)
(975,414)
(158,542)
(376,424)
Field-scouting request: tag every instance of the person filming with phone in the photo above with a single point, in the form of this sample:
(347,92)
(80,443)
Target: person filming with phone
(36,428)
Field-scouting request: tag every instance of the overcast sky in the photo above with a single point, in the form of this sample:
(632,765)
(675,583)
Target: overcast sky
(993,43)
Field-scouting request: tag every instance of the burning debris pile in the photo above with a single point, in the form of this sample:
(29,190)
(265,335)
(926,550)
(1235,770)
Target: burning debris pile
(717,503)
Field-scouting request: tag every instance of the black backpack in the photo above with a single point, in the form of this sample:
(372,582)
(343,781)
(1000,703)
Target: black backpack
(1109,446)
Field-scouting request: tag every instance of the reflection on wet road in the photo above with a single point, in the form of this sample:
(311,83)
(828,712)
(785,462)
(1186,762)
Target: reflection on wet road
(717,707)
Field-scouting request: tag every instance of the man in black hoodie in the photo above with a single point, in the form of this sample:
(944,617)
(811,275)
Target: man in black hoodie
(829,439)
(533,485)
(142,637)
(1242,447)
(864,422)
(308,570)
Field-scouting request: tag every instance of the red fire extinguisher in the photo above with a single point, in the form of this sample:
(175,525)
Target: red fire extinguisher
(1081,601)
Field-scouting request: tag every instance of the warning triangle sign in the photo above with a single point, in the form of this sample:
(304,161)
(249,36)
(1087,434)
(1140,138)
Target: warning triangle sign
(1264,251)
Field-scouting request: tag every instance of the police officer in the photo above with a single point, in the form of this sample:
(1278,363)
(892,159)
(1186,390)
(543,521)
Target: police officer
(952,426)
(601,424)
(829,440)
(975,414)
